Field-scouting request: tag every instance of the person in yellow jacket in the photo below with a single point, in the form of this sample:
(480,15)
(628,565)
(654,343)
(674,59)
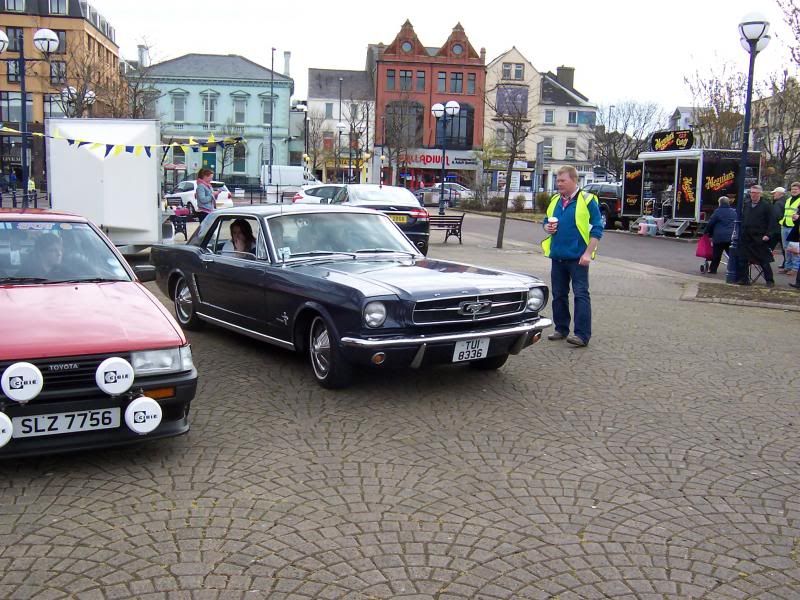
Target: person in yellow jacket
(792,205)
(574,226)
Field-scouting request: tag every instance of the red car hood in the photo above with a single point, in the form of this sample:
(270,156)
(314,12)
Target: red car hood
(46,321)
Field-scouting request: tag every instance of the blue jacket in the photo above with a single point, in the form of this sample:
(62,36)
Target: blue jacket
(567,242)
(720,225)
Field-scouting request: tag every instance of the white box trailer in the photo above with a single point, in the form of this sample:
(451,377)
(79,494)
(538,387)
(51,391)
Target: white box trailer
(121,193)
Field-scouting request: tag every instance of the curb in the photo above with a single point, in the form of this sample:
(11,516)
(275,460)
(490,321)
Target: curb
(690,295)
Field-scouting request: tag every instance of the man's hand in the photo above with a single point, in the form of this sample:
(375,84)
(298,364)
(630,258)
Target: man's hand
(550,228)
(585,259)
(765,238)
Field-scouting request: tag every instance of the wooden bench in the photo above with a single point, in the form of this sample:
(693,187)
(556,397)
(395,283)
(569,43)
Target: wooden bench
(451,224)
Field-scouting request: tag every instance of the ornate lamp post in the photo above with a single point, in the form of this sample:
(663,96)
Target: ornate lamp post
(754,37)
(444,114)
(46,42)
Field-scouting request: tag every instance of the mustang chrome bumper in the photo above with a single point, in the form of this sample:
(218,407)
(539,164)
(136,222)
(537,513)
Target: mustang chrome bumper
(369,343)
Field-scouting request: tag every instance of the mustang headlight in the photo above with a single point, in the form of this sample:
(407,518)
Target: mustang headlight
(157,362)
(535,299)
(374,314)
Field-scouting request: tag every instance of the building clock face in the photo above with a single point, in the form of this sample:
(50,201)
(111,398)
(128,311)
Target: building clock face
(458,49)
(407,46)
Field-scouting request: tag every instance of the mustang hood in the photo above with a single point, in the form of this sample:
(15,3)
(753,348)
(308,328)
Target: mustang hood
(85,318)
(420,279)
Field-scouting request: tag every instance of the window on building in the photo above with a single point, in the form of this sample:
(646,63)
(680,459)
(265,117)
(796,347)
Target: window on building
(53,106)
(420,81)
(58,7)
(547,147)
(570,152)
(209,109)
(329,110)
(519,71)
(239,158)
(460,130)
(12,68)
(572,118)
(11,107)
(58,71)
(179,108)
(62,41)
(327,140)
(13,34)
(353,112)
(456,83)
(507,70)
(549,116)
(178,156)
(589,150)
(441,85)
(471,83)
(239,105)
(390,77)
(266,111)
(500,135)
(404,123)
(406,80)
(15,5)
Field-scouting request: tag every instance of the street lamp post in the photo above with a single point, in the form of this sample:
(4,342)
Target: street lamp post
(383,158)
(754,32)
(46,42)
(444,114)
(340,126)
(271,118)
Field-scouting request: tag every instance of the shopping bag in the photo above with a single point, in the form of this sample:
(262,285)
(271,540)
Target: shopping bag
(704,248)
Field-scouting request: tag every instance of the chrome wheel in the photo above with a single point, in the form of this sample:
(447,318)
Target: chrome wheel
(184,305)
(320,348)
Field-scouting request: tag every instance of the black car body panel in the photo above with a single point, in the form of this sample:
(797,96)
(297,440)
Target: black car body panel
(429,304)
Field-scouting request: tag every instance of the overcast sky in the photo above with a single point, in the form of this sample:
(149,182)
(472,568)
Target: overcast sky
(620,49)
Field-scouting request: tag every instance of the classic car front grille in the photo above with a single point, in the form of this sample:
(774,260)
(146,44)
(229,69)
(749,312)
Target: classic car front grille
(470,308)
(60,374)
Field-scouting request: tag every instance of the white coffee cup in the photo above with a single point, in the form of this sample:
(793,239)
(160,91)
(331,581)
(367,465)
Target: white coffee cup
(553,221)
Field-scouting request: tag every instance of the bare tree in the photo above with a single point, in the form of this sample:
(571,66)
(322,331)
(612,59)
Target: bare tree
(776,127)
(718,97)
(622,131)
(402,130)
(228,131)
(509,104)
(357,120)
(791,15)
(316,142)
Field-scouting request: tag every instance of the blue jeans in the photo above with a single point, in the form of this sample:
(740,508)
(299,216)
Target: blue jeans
(792,260)
(561,273)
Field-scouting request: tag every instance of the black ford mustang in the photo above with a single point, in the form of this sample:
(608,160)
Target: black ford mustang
(347,287)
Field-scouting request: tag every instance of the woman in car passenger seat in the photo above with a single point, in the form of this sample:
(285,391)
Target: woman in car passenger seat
(242,238)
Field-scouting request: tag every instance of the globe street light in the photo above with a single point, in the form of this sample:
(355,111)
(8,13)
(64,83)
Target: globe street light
(46,42)
(754,37)
(77,101)
(443,114)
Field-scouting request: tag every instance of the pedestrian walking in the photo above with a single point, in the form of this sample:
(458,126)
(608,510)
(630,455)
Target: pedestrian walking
(720,229)
(205,193)
(778,205)
(757,224)
(12,180)
(574,226)
(792,261)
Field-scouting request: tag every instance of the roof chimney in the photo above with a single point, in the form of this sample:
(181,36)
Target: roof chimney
(287,56)
(144,56)
(566,76)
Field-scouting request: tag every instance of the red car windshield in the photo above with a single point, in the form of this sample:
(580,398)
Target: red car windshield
(52,252)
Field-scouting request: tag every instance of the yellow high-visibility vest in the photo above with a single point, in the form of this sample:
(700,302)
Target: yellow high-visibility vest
(788,210)
(582,218)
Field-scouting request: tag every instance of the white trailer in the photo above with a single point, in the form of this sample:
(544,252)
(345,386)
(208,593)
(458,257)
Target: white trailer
(121,193)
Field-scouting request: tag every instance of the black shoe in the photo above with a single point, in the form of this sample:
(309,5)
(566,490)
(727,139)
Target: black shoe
(795,285)
(709,272)
(555,336)
(742,283)
(770,284)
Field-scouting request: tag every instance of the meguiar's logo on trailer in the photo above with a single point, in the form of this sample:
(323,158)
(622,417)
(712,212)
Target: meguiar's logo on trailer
(716,184)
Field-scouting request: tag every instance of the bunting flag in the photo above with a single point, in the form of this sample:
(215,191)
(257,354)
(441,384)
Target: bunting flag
(110,149)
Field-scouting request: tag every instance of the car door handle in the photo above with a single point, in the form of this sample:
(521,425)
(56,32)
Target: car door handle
(207,258)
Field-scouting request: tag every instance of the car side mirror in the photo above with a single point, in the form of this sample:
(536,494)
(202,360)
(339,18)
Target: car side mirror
(145,273)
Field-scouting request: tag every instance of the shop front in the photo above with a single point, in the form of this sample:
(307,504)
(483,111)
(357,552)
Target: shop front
(422,167)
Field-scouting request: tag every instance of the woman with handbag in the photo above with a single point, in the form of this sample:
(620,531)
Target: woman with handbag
(720,228)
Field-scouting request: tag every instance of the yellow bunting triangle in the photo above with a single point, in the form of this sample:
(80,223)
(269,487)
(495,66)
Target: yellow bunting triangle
(117,150)
(137,150)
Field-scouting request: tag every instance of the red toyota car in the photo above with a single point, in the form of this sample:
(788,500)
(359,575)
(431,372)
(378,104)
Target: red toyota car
(88,356)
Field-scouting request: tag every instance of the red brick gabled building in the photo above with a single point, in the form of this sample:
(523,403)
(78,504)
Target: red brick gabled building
(416,77)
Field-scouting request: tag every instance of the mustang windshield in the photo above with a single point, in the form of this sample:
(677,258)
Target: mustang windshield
(50,252)
(318,234)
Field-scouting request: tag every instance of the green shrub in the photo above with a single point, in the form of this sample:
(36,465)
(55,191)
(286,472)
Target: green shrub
(496,204)
(542,201)
(519,203)
(471,204)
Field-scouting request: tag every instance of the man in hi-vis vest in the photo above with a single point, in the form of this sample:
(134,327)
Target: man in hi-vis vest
(574,224)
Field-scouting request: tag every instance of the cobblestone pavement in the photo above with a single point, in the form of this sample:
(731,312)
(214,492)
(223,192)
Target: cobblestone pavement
(660,462)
